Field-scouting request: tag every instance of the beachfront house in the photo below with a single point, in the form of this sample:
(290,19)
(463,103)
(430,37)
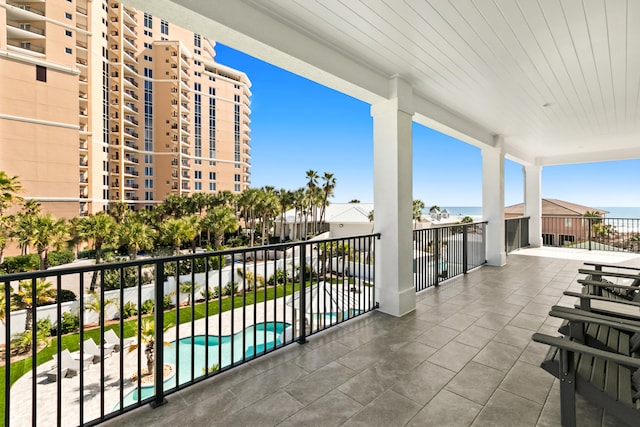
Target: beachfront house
(563,223)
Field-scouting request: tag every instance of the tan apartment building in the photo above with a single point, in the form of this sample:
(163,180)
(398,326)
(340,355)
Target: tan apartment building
(100,102)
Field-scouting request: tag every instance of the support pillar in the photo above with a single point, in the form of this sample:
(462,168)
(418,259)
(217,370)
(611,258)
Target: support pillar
(493,202)
(393,195)
(533,203)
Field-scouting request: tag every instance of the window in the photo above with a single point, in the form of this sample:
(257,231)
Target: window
(566,239)
(212,176)
(164,27)
(148,58)
(236,177)
(148,45)
(197,40)
(148,195)
(236,187)
(197,73)
(41,73)
(148,33)
(148,20)
(198,185)
(68,15)
(148,171)
(68,50)
(148,72)
(547,239)
(68,33)
(567,222)
(197,174)
(148,183)
(212,186)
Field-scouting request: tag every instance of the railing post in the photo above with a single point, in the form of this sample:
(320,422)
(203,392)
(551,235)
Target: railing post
(589,232)
(465,260)
(436,243)
(303,294)
(158,351)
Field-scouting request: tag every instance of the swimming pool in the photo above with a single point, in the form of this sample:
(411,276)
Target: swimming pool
(244,344)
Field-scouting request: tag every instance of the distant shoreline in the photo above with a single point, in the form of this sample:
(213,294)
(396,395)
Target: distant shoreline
(475,212)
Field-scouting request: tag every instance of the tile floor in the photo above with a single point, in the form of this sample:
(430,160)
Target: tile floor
(463,358)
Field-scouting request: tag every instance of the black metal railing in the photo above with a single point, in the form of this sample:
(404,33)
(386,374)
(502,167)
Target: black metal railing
(215,311)
(516,233)
(441,253)
(592,233)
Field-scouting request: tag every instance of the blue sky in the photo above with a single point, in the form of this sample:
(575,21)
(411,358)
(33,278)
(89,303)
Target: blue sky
(297,125)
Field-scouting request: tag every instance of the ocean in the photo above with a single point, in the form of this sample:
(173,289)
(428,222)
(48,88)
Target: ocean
(475,212)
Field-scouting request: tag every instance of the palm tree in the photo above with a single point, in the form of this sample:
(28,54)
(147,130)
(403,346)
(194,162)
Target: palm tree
(247,203)
(118,211)
(268,207)
(593,220)
(148,338)
(417,207)
(6,229)
(9,189)
(311,195)
(101,229)
(44,231)
(3,304)
(95,303)
(32,207)
(220,220)
(176,231)
(24,297)
(285,198)
(135,235)
(298,205)
(329,184)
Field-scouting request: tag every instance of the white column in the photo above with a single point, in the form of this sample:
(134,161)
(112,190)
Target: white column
(533,203)
(392,197)
(493,202)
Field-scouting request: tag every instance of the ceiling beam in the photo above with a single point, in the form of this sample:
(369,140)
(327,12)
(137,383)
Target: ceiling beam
(252,31)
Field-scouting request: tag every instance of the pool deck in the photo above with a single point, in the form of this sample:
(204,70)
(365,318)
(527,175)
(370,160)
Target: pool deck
(463,358)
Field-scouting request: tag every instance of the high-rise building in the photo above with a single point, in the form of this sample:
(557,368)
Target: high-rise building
(100,102)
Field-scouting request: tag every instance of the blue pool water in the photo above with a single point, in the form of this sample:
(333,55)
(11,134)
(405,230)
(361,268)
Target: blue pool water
(267,335)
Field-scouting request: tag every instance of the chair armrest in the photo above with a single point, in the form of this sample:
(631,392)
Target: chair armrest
(605,316)
(574,347)
(576,315)
(608,285)
(599,298)
(597,264)
(609,274)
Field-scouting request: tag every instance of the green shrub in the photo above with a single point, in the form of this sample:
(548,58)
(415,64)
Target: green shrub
(21,343)
(166,302)
(65,256)
(44,327)
(279,277)
(147,307)
(66,295)
(112,278)
(69,323)
(260,281)
(129,309)
(230,289)
(21,263)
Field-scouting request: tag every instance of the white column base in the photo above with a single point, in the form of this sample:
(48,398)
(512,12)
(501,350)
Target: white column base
(395,302)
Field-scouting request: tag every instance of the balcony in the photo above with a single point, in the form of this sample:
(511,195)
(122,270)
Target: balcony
(461,355)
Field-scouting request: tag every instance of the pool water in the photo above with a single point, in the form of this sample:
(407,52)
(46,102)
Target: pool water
(252,341)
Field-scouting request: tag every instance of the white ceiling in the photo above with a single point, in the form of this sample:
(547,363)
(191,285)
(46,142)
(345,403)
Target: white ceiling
(559,80)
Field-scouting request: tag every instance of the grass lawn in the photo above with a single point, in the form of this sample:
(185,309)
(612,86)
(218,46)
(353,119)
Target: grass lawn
(72,341)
